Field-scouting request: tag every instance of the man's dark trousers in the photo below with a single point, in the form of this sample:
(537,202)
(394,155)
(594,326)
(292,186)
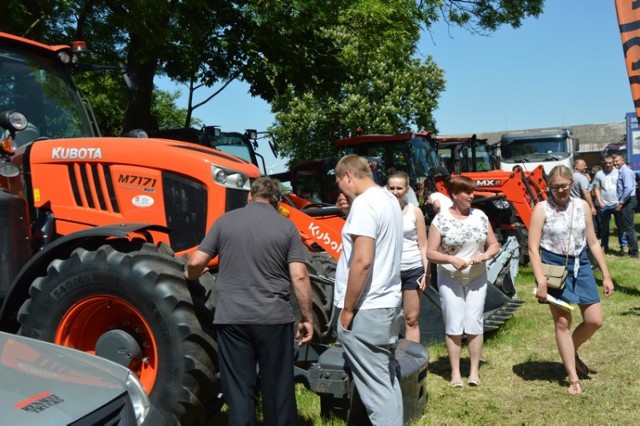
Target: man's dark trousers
(240,348)
(627,214)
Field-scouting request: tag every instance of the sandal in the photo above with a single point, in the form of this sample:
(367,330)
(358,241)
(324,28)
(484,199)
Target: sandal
(574,388)
(456,384)
(581,368)
(474,382)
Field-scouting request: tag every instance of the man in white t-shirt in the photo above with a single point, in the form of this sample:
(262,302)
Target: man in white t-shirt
(604,187)
(368,289)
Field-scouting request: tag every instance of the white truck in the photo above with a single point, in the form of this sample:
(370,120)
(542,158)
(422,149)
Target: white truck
(531,148)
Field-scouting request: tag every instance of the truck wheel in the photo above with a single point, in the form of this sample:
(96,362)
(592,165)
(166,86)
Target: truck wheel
(322,272)
(142,295)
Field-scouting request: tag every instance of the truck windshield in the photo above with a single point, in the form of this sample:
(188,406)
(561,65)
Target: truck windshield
(524,150)
(41,90)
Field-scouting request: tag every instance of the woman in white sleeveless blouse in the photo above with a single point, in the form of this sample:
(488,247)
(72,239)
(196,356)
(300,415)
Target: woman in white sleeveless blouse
(560,232)
(414,270)
(460,242)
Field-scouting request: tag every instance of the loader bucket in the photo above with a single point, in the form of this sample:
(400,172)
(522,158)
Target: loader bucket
(330,378)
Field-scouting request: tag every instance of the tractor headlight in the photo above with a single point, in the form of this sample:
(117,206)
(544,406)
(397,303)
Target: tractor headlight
(501,204)
(65,57)
(230,178)
(139,398)
(13,120)
(17,120)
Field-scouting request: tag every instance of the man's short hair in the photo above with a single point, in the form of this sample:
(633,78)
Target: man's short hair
(267,189)
(619,155)
(358,166)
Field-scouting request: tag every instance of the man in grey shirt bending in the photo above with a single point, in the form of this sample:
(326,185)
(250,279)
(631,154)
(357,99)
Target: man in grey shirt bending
(260,257)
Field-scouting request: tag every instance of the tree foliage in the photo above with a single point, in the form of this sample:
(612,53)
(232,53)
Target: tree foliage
(291,52)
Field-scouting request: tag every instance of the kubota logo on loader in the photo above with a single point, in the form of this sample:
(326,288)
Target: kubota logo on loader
(488,182)
(60,153)
(324,237)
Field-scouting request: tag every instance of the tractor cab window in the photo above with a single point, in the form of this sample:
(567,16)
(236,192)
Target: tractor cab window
(424,159)
(481,163)
(232,143)
(41,90)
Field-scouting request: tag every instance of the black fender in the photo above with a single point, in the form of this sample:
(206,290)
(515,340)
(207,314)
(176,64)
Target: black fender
(61,248)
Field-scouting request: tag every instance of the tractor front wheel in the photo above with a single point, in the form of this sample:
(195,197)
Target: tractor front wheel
(105,300)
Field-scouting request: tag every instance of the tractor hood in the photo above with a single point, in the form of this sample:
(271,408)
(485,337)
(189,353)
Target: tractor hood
(43,383)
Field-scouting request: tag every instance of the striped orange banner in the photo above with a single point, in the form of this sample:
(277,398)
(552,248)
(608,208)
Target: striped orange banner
(629,23)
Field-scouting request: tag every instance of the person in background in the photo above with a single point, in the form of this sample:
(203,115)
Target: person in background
(414,268)
(560,232)
(580,188)
(260,256)
(627,202)
(410,196)
(368,288)
(597,218)
(460,242)
(439,201)
(604,188)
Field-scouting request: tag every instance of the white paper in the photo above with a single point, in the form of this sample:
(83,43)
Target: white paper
(557,302)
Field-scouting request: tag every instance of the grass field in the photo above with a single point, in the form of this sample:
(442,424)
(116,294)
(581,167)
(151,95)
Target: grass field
(523,380)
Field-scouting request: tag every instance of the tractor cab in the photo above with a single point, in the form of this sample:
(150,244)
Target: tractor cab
(463,155)
(411,153)
(37,83)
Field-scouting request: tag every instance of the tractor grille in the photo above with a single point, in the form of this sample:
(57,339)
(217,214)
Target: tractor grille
(185,209)
(236,198)
(92,187)
(117,412)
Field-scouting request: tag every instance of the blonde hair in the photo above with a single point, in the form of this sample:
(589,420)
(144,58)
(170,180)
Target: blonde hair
(560,171)
(358,166)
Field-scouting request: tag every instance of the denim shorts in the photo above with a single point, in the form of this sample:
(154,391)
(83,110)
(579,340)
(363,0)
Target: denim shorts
(410,278)
(581,290)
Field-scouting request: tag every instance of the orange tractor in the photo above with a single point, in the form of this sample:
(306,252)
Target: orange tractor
(507,198)
(93,233)
(476,159)
(313,184)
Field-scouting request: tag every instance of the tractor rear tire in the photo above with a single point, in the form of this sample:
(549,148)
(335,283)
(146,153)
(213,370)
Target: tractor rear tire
(144,294)
(322,273)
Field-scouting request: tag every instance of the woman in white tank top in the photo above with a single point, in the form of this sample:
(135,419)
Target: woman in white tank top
(560,231)
(414,262)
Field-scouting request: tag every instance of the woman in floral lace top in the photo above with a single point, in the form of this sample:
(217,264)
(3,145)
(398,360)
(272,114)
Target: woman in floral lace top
(460,242)
(561,229)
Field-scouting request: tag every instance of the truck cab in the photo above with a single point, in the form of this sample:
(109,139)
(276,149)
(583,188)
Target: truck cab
(530,149)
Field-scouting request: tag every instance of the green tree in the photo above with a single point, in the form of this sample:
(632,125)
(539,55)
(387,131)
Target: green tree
(281,48)
(107,96)
(385,100)
(386,89)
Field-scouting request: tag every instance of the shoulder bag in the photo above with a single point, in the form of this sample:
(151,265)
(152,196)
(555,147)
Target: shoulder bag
(557,274)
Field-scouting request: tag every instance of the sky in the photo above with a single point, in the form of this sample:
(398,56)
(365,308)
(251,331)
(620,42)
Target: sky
(564,68)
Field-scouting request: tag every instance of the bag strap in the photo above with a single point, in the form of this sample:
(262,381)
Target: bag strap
(570,231)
